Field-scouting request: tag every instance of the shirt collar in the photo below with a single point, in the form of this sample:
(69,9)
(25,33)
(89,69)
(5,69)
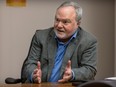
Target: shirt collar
(73,36)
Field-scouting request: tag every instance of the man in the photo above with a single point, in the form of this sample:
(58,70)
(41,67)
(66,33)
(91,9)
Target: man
(62,53)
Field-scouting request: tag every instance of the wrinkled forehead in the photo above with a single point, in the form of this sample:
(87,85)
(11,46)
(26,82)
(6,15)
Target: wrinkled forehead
(67,11)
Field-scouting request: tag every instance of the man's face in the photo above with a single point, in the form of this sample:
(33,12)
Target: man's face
(65,23)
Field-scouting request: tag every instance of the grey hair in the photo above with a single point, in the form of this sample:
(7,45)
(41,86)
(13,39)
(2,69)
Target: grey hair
(78,9)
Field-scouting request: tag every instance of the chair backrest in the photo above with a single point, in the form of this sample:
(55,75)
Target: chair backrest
(22,79)
(10,80)
(103,83)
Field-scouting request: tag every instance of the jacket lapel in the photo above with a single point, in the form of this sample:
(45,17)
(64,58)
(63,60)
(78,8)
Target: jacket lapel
(52,47)
(69,52)
(67,56)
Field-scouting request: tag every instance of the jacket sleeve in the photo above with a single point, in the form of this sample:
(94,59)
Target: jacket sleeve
(30,62)
(87,62)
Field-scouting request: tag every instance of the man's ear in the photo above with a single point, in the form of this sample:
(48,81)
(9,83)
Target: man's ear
(79,22)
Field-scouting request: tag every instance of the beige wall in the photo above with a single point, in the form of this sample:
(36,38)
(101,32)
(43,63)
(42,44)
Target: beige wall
(115,38)
(18,24)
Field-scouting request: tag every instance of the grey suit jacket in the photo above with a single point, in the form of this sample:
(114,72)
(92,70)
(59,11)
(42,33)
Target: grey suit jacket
(82,52)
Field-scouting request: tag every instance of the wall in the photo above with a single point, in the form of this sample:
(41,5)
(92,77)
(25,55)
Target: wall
(99,19)
(115,39)
(18,24)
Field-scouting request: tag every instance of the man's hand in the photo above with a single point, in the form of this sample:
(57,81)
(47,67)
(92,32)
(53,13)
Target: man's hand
(37,73)
(67,74)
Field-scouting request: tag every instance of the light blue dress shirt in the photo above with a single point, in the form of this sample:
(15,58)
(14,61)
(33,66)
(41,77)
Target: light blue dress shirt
(61,49)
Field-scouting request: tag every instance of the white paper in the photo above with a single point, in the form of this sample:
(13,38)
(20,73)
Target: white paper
(111,78)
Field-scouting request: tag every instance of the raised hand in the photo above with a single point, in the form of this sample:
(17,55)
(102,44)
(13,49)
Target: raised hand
(37,73)
(67,74)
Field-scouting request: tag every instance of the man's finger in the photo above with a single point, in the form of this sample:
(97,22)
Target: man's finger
(38,65)
(35,71)
(63,80)
(39,80)
(69,64)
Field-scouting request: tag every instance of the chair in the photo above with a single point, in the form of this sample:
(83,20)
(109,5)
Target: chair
(10,80)
(102,83)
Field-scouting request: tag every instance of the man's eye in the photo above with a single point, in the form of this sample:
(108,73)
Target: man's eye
(66,21)
(56,20)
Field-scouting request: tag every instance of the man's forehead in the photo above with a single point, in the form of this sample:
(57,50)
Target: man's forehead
(66,11)
(66,8)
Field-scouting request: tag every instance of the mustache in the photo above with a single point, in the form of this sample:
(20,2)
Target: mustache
(59,30)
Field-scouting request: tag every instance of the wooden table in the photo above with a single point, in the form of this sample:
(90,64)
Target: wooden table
(38,85)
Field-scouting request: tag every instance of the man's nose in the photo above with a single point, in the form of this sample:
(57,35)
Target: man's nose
(60,24)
